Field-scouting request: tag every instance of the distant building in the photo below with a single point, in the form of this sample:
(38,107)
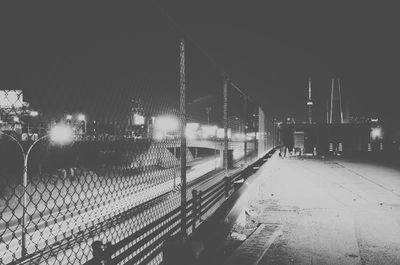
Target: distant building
(17,116)
(138,123)
(235,124)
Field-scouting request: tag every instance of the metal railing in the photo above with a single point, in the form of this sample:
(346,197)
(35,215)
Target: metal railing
(198,208)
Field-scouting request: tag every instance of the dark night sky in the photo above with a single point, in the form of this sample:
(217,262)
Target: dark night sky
(101,53)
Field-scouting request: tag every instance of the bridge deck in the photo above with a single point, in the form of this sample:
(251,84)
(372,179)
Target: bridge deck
(332,212)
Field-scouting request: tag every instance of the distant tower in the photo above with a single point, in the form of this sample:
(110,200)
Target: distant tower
(309,102)
(336,110)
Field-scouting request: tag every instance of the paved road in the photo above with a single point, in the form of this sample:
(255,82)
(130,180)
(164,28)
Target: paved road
(332,211)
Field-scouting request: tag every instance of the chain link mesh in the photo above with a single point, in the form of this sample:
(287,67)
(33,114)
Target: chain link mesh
(119,180)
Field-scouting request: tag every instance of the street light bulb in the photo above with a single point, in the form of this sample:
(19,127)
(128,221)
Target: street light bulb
(61,134)
(81,117)
(34,113)
(166,124)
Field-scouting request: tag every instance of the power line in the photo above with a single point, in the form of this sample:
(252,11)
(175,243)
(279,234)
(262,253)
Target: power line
(181,31)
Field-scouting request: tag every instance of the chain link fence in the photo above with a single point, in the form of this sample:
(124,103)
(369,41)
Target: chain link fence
(103,157)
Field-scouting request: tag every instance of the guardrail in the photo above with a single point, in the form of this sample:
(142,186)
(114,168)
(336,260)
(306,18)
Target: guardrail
(165,229)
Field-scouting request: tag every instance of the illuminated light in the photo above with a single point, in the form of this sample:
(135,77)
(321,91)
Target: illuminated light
(208,131)
(309,103)
(250,136)
(221,133)
(191,130)
(15,119)
(166,124)
(69,117)
(138,119)
(34,113)
(376,133)
(193,126)
(81,117)
(190,134)
(238,136)
(158,136)
(61,134)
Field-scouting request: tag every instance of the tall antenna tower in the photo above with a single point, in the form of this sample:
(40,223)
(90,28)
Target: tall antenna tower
(336,110)
(309,102)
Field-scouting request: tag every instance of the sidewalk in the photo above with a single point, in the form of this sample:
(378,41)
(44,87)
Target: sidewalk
(324,212)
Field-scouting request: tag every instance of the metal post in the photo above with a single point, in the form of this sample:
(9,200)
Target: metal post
(195,208)
(24,205)
(244,128)
(183,137)
(225,155)
(25,196)
(25,185)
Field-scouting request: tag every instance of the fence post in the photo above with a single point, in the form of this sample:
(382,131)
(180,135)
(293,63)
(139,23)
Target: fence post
(195,208)
(199,205)
(24,206)
(182,136)
(225,112)
(244,128)
(227,186)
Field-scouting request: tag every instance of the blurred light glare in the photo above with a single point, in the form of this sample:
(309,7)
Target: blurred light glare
(166,124)
(193,126)
(158,136)
(221,133)
(34,113)
(81,117)
(208,131)
(69,117)
(15,119)
(61,134)
(376,133)
(138,119)
(191,130)
(238,136)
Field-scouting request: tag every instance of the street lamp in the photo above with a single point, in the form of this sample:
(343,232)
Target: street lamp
(60,134)
(33,113)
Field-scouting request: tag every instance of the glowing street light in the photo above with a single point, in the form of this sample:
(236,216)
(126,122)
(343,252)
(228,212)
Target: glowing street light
(33,113)
(191,130)
(59,134)
(138,119)
(163,125)
(81,117)
(166,123)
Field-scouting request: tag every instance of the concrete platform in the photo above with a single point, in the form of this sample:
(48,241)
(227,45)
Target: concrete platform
(331,212)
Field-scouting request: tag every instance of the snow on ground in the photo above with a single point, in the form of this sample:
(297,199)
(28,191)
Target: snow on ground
(333,212)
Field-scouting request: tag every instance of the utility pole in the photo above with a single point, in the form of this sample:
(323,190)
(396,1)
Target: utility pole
(208,110)
(182,113)
(331,110)
(244,128)
(225,156)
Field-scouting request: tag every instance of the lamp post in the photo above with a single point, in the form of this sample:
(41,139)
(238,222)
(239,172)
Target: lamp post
(59,134)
